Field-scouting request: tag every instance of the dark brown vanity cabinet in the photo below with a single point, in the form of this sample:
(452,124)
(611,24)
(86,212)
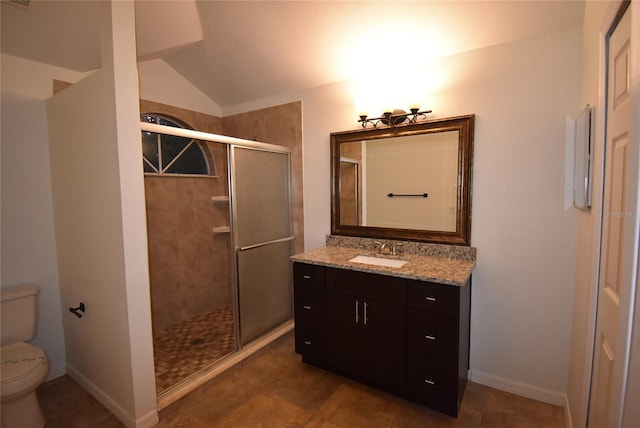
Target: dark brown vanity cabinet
(407,337)
(366,327)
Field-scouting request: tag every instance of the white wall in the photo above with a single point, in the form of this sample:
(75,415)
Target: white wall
(28,239)
(161,83)
(522,294)
(100,223)
(523,285)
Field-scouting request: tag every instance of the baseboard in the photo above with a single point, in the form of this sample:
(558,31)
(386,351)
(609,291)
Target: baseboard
(148,420)
(519,388)
(56,372)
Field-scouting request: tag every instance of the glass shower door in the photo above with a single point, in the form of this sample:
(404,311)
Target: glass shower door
(260,182)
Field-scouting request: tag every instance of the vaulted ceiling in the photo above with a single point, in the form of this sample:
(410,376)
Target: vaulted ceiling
(239,51)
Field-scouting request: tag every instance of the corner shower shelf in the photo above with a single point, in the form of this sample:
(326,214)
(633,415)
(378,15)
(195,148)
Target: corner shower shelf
(222,199)
(221,229)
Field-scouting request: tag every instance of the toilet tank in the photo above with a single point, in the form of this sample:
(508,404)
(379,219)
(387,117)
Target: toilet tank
(19,313)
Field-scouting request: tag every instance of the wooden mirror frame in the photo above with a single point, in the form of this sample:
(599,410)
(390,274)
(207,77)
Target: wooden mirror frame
(462,235)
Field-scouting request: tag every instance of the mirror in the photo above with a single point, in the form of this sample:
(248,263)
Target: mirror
(409,182)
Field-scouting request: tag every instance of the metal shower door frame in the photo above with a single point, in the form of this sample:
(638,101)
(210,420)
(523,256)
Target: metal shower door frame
(236,248)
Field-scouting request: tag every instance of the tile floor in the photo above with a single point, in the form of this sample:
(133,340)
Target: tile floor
(273,388)
(190,346)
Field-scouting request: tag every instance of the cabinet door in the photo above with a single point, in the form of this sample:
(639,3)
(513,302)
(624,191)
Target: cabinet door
(345,337)
(385,338)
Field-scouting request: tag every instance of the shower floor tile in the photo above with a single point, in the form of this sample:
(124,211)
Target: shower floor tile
(186,348)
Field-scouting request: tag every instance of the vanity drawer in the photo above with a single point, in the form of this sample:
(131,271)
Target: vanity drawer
(388,289)
(311,343)
(445,402)
(305,275)
(428,296)
(432,334)
(427,374)
(309,305)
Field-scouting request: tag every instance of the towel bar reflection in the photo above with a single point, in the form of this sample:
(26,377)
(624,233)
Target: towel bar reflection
(415,195)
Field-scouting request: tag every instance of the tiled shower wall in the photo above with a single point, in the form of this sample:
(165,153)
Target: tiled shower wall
(189,266)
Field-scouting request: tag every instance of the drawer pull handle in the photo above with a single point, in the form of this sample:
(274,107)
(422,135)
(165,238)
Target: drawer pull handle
(307,307)
(430,337)
(365,313)
(307,342)
(429,381)
(306,276)
(431,299)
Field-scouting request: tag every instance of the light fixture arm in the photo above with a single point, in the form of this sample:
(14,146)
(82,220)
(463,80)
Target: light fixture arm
(394,119)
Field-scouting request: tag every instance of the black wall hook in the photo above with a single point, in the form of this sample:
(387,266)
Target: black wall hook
(76,311)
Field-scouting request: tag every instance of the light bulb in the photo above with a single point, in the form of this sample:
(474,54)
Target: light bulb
(415,105)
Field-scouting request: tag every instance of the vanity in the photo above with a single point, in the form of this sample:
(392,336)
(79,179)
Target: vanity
(403,330)
(387,301)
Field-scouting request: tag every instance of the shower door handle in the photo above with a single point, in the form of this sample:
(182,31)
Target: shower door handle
(262,244)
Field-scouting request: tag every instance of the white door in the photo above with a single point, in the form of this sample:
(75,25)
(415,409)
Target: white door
(618,264)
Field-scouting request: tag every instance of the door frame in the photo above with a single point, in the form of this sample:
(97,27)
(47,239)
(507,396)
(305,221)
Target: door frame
(630,410)
(610,18)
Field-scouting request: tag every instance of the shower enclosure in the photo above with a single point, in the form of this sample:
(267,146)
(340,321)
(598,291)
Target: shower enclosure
(219,247)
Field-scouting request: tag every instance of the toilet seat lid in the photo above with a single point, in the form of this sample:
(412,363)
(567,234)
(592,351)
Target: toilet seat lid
(19,360)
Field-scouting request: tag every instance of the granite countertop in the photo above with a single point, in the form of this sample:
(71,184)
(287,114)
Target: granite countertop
(442,270)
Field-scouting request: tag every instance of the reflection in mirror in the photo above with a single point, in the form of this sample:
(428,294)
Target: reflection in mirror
(411,182)
(396,173)
(350,200)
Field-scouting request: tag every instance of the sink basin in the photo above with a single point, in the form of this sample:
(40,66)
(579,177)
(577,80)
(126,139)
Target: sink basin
(378,261)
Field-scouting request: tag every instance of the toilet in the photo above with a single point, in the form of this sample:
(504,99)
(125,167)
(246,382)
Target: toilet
(24,366)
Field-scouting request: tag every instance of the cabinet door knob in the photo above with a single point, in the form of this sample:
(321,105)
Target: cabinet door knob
(307,342)
(307,307)
(429,381)
(431,299)
(429,337)
(306,276)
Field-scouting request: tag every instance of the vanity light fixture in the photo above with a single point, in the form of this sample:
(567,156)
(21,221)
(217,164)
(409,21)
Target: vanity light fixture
(394,119)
